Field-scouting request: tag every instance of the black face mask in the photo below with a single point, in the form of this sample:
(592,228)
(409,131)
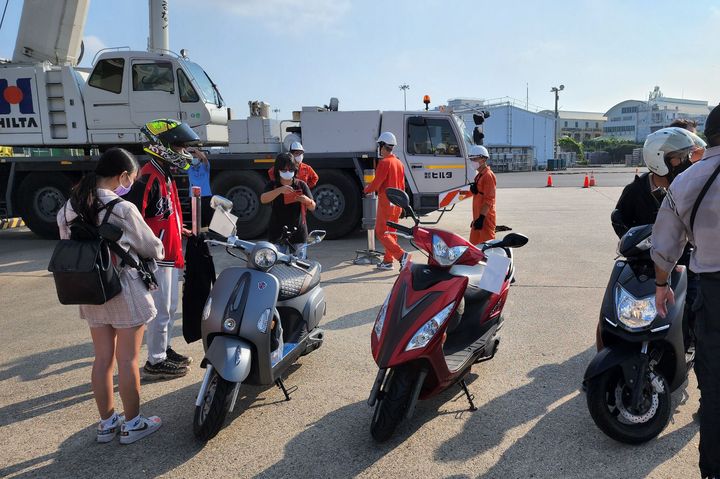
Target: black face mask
(676,170)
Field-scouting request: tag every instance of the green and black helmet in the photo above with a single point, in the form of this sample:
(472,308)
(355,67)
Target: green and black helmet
(164,134)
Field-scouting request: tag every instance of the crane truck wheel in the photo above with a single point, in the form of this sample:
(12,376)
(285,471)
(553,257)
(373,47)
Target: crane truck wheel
(41,197)
(338,200)
(244,188)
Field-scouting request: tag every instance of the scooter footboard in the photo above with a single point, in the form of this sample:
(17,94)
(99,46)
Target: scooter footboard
(231,357)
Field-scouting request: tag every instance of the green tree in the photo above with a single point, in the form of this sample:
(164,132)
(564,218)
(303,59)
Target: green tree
(616,148)
(568,144)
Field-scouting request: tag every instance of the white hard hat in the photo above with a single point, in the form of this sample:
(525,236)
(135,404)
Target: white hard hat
(478,150)
(663,142)
(296,145)
(387,138)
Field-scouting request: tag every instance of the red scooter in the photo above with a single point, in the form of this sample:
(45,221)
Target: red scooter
(437,321)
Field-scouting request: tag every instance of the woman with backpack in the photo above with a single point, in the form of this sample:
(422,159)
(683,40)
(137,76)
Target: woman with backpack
(116,326)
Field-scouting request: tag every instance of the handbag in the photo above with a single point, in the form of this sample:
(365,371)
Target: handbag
(82,266)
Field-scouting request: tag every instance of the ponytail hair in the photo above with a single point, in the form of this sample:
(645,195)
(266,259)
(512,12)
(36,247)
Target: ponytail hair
(83,197)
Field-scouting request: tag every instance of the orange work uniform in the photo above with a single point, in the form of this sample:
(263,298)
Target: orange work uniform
(390,173)
(485,182)
(305,173)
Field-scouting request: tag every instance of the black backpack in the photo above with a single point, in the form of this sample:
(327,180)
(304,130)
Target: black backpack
(82,265)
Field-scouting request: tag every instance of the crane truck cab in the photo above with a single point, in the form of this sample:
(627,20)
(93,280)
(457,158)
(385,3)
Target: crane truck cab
(126,89)
(64,106)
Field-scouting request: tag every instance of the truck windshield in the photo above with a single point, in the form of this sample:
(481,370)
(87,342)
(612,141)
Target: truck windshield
(208,89)
(466,136)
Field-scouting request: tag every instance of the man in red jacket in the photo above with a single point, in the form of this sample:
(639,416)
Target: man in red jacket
(156,196)
(390,173)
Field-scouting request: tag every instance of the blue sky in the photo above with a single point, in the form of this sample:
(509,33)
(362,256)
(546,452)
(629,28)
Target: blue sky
(291,53)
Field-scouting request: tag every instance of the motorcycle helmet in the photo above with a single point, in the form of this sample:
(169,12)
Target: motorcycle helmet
(164,134)
(661,145)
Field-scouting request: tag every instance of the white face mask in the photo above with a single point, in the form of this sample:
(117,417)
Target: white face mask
(195,161)
(299,157)
(287,175)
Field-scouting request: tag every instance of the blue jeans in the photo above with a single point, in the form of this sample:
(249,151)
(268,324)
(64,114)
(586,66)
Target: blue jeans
(300,250)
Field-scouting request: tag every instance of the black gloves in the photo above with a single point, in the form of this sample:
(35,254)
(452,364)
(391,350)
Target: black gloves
(478,223)
(473,189)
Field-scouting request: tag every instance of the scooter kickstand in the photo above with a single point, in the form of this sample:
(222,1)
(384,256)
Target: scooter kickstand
(469,396)
(279,383)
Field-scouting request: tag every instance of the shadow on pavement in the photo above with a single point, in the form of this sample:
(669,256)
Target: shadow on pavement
(43,365)
(342,443)
(352,320)
(80,456)
(563,432)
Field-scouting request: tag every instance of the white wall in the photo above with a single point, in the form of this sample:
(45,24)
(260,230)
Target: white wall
(513,126)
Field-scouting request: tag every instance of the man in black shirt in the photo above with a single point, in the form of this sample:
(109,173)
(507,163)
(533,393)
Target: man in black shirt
(291,199)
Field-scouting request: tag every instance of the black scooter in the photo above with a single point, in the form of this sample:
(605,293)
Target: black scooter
(641,357)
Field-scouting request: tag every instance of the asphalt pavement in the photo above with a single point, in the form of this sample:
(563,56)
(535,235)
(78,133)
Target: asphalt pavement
(532,419)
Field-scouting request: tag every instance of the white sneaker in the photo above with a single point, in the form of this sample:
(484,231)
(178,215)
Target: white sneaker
(144,427)
(107,430)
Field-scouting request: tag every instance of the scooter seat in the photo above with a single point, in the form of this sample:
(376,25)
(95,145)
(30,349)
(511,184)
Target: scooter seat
(296,281)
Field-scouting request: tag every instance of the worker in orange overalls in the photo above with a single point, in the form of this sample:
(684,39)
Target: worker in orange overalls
(305,172)
(390,173)
(482,227)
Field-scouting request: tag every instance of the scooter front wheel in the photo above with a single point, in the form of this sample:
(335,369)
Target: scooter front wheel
(610,405)
(212,411)
(392,405)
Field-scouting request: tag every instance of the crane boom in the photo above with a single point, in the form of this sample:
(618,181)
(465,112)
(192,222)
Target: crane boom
(42,37)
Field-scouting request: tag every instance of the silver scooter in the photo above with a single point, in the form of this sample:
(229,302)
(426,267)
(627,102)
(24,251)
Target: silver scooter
(258,320)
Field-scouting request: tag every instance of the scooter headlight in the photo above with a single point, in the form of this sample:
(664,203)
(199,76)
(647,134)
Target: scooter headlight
(265,258)
(633,313)
(445,255)
(380,321)
(429,329)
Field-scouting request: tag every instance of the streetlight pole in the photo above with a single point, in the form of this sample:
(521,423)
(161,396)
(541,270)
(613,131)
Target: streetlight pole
(405,87)
(277,110)
(557,91)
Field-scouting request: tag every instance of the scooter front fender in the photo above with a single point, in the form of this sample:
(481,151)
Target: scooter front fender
(231,357)
(610,357)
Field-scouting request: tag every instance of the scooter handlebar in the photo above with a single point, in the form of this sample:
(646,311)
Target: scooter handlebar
(401,228)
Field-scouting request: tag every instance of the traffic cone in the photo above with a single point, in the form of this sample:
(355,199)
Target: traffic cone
(586,184)
(549,182)
(592,179)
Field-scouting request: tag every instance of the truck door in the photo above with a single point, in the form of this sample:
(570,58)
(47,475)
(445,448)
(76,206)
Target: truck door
(106,96)
(154,92)
(434,154)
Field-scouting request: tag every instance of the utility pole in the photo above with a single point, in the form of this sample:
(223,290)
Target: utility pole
(276,111)
(556,90)
(404,87)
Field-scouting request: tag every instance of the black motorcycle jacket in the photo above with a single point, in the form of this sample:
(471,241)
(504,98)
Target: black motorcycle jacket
(636,206)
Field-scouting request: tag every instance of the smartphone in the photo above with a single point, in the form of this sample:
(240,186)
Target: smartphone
(292,197)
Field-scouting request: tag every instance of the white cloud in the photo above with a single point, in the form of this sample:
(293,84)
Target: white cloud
(290,15)
(93,45)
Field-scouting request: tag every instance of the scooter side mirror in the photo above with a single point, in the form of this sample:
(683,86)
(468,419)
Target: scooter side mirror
(511,240)
(218,202)
(398,198)
(317,236)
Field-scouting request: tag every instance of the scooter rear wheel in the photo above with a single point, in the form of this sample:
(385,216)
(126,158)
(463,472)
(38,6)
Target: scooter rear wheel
(210,414)
(608,402)
(392,406)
